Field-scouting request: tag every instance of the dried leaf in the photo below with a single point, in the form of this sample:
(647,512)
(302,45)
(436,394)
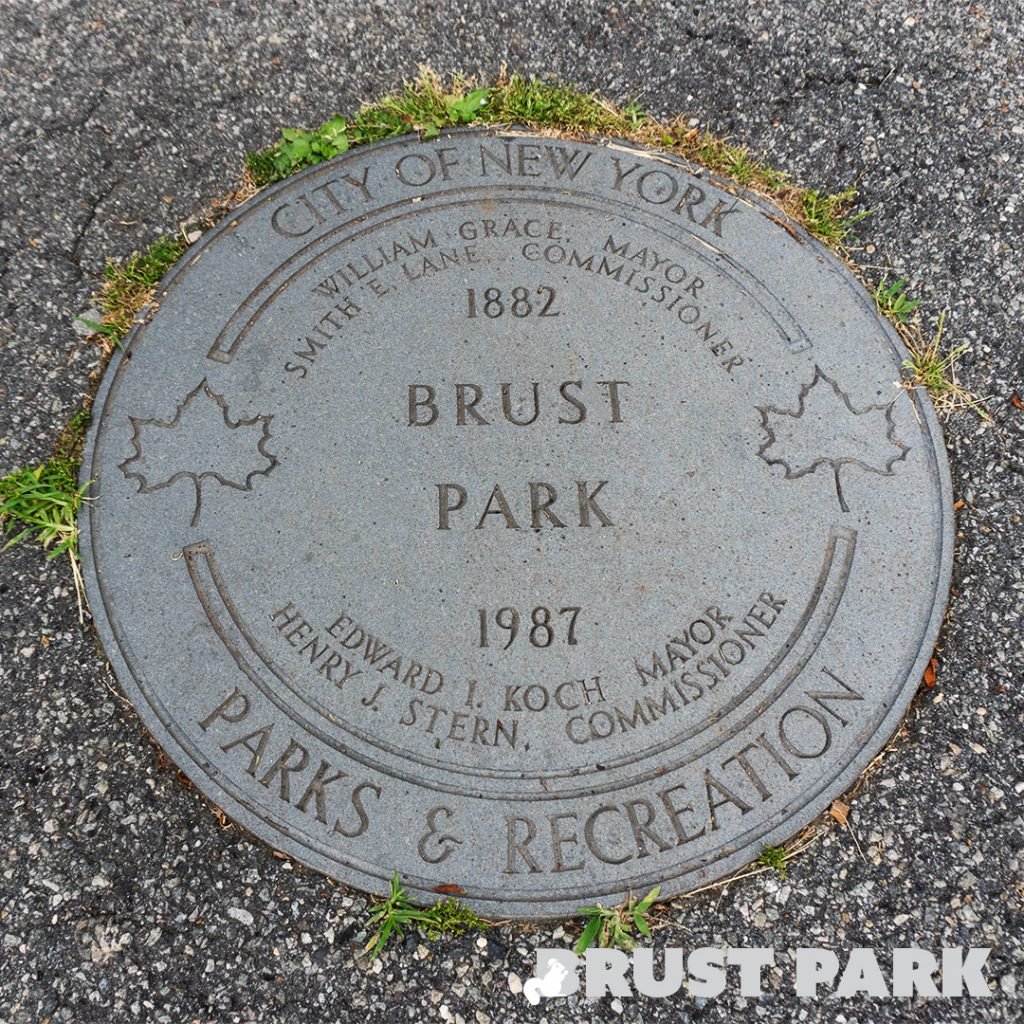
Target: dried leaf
(957,505)
(840,811)
(450,890)
(929,673)
(1016,399)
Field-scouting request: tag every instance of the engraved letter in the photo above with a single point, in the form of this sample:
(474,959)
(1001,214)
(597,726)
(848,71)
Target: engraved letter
(497,497)
(519,846)
(421,173)
(315,791)
(564,161)
(360,183)
(283,766)
(787,738)
(620,174)
(357,803)
(221,711)
(588,504)
(504,162)
(588,834)
(675,811)
(289,232)
(659,192)
(446,161)
(613,397)
(506,405)
(573,401)
(728,797)
(687,203)
(539,504)
(718,213)
(819,697)
(462,406)
(642,830)
(444,505)
(416,403)
(558,840)
(256,751)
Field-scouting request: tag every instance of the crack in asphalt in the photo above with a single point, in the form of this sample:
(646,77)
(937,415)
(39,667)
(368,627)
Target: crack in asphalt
(80,234)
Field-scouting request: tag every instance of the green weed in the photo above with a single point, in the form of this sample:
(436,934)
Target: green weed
(827,214)
(261,166)
(894,302)
(42,503)
(774,857)
(423,106)
(739,165)
(528,100)
(616,926)
(933,369)
(392,917)
(71,439)
(396,913)
(108,331)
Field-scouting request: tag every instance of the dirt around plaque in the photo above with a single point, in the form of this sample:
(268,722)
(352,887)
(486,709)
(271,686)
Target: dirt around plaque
(519,514)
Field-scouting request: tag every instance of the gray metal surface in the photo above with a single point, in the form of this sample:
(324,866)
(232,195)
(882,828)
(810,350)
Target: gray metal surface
(517,514)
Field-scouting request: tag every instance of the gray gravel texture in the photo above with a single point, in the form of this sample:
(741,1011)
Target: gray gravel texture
(121,896)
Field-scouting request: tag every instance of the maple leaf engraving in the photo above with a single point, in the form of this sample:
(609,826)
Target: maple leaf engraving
(200,442)
(826,419)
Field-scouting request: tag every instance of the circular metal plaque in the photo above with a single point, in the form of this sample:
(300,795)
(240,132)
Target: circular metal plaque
(527,516)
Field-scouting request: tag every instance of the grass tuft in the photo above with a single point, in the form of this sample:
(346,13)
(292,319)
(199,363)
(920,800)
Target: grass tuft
(396,913)
(42,503)
(427,105)
(616,927)
(528,100)
(932,367)
(260,165)
(129,284)
(450,917)
(828,216)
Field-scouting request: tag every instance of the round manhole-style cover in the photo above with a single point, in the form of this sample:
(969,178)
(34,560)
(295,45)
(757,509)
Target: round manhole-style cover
(522,515)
